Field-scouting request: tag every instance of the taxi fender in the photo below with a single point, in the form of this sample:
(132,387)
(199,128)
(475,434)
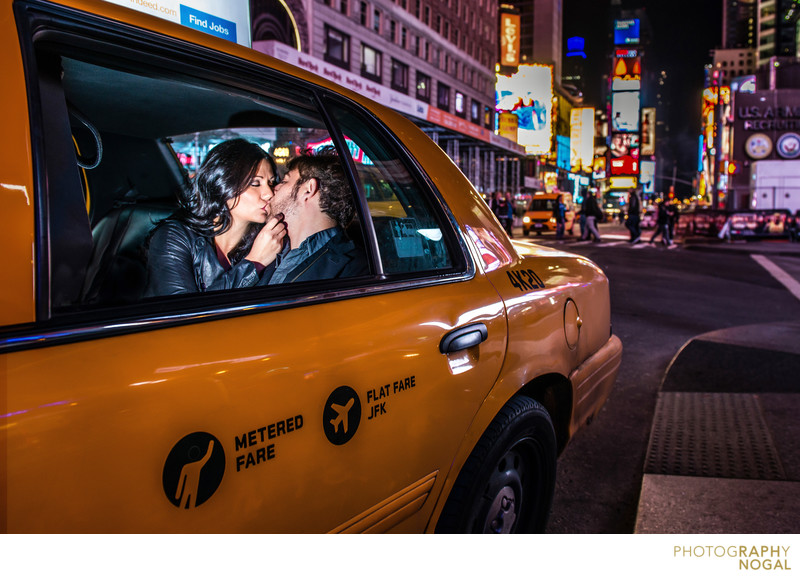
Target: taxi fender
(539,286)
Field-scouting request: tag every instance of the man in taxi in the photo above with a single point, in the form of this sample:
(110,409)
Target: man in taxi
(317,204)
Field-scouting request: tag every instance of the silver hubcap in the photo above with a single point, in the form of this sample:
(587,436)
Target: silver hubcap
(502,513)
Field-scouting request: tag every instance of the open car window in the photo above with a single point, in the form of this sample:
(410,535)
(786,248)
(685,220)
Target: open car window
(413,233)
(123,141)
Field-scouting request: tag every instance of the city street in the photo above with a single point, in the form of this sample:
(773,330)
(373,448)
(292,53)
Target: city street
(660,298)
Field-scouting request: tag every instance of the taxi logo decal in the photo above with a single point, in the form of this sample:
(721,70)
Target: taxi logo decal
(342,415)
(193,470)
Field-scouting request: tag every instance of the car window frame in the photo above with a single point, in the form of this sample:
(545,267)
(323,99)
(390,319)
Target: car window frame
(37,21)
(455,242)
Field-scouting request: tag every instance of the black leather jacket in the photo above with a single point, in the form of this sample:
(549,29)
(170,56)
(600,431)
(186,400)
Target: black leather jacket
(181,261)
(339,257)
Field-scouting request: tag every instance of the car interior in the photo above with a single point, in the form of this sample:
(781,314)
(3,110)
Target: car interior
(138,134)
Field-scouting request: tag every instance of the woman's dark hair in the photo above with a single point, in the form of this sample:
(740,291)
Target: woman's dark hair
(225,173)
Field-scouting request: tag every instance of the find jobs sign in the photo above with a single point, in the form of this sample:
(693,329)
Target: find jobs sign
(227,19)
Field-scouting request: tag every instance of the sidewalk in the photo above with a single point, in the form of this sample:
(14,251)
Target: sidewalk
(724,451)
(724,448)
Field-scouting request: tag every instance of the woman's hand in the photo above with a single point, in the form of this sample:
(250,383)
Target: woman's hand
(269,241)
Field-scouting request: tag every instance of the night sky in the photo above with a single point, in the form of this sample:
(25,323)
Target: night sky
(684,33)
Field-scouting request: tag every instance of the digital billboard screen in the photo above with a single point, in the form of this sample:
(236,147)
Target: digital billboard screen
(509,39)
(626,165)
(649,131)
(625,112)
(529,95)
(623,144)
(581,125)
(626,32)
(227,19)
(627,71)
(648,177)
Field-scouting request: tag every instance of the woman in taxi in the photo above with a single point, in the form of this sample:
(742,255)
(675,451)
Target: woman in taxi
(222,237)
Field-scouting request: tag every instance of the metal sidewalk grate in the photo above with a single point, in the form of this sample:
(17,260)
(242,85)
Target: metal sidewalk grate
(720,435)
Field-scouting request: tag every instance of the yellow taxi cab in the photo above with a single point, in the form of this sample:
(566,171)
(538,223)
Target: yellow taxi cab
(432,394)
(539,215)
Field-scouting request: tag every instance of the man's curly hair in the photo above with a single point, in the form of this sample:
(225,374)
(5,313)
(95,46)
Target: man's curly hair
(335,196)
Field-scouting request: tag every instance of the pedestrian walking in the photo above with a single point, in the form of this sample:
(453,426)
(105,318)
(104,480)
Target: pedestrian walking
(559,214)
(593,214)
(672,219)
(510,221)
(634,216)
(502,210)
(662,225)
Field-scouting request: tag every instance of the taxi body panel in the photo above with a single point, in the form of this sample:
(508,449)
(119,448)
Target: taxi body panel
(95,413)
(102,427)
(16,185)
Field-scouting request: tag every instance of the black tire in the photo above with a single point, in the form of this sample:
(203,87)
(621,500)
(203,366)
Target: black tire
(507,483)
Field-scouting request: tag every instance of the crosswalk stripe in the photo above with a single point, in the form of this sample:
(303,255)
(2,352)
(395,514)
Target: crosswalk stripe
(626,243)
(778,273)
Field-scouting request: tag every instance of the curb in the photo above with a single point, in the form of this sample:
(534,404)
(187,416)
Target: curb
(722,455)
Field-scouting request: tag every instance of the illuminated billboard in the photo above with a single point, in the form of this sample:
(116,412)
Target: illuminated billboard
(625,144)
(581,135)
(529,95)
(622,182)
(624,154)
(626,165)
(509,39)
(744,84)
(648,177)
(227,19)
(599,168)
(563,152)
(627,72)
(625,112)
(626,32)
(507,126)
(648,131)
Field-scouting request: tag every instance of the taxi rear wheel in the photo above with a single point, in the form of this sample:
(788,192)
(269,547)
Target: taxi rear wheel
(507,483)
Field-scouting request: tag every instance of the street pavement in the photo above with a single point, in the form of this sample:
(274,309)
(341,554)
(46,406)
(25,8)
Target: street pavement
(724,450)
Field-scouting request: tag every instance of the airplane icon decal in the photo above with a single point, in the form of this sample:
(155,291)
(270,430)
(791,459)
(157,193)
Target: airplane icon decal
(341,415)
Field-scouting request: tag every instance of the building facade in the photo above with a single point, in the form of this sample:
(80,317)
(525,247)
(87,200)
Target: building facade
(777,29)
(433,61)
(739,24)
(734,62)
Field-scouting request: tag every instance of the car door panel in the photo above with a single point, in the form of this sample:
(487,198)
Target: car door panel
(104,415)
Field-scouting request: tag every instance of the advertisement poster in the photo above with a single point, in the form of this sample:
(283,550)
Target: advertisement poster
(581,133)
(648,141)
(529,95)
(227,19)
(509,39)
(625,112)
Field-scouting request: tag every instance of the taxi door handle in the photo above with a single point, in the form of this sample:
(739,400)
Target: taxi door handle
(463,338)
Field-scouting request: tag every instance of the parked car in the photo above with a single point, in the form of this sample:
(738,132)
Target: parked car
(649,218)
(432,393)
